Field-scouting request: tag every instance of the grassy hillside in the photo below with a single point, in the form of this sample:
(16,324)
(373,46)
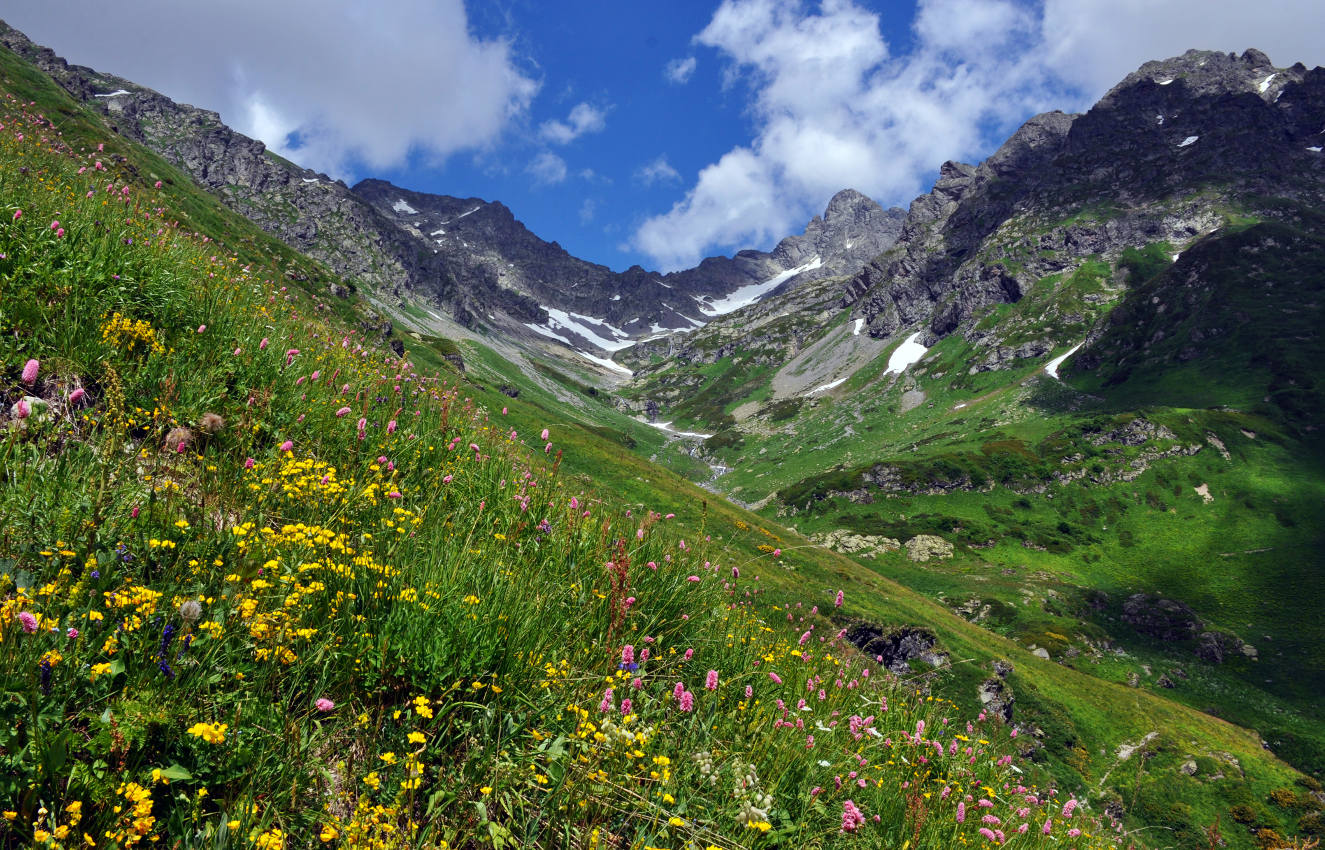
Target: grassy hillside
(267,585)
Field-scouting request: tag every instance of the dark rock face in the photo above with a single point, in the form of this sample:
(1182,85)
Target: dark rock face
(1129,172)
(1165,619)
(897,647)
(995,694)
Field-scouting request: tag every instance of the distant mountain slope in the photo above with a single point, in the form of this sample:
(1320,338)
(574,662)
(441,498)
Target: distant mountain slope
(469,257)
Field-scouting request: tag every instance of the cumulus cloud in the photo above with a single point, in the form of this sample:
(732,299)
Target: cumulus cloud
(583,118)
(335,85)
(547,169)
(587,210)
(658,171)
(833,107)
(679,70)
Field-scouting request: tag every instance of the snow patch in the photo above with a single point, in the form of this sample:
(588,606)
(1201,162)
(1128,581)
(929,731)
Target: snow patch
(438,232)
(1164,82)
(746,295)
(1051,368)
(584,326)
(604,362)
(906,354)
(963,404)
(115,93)
(1175,257)
(667,426)
(401,207)
(1190,140)
(1159,119)
(616,297)
(826,387)
(311,180)
(1316,149)
(539,329)
(1265,83)
(860,323)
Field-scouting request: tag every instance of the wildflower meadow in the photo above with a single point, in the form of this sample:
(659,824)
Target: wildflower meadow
(266,584)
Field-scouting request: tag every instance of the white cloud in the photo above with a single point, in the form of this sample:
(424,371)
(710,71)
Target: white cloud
(547,168)
(679,70)
(355,83)
(587,210)
(658,171)
(833,107)
(583,118)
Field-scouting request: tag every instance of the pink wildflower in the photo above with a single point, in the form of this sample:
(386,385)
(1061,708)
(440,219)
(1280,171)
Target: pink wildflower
(777,680)
(21,409)
(248,463)
(288,445)
(837,603)
(344,411)
(71,633)
(608,702)
(29,622)
(711,681)
(1068,807)
(263,345)
(18,214)
(30,370)
(987,833)
(76,396)
(201,328)
(1048,826)
(961,812)
(687,701)
(627,655)
(324,705)
(852,817)
(391,427)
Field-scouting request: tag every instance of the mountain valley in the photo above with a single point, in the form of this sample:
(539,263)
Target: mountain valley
(1054,429)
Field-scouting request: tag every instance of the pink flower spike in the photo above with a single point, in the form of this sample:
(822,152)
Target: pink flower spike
(18,214)
(344,411)
(30,370)
(201,328)
(21,409)
(287,445)
(158,184)
(262,345)
(248,463)
(837,603)
(76,396)
(324,705)
(711,681)
(71,633)
(28,621)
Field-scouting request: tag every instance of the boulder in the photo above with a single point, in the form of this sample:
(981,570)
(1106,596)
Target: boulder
(924,547)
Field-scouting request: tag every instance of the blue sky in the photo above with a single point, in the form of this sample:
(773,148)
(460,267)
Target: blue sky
(653,133)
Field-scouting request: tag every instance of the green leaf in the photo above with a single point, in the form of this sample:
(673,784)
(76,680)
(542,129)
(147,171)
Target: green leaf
(176,772)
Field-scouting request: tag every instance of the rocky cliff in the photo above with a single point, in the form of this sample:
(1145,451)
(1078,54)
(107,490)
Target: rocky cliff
(1161,158)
